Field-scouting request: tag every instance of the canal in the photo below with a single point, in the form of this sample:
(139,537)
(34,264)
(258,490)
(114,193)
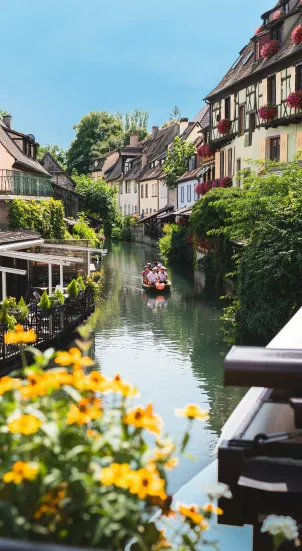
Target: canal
(170,348)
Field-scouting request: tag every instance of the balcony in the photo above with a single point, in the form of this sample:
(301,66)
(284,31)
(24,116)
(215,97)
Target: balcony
(24,184)
(286,115)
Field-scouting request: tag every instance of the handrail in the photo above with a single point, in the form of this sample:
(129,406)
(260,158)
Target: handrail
(13,182)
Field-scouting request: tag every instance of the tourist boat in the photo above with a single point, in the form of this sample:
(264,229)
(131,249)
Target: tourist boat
(159,289)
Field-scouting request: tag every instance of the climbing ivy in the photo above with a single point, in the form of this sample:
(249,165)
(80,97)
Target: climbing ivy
(45,217)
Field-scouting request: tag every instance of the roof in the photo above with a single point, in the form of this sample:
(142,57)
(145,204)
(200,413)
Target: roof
(155,214)
(180,212)
(246,67)
(203,117)
(8,235)
(13,149)
(99,163)
(57,170)
(190,174)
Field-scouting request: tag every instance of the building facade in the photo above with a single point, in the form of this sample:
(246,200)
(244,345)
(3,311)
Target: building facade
(63,186)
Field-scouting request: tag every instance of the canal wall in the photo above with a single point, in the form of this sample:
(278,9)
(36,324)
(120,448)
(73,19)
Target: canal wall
(138,236)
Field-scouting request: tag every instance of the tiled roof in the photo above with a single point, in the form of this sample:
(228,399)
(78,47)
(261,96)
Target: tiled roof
(247,67)
(16,152)
(190,174)
(8,235)
(203,117)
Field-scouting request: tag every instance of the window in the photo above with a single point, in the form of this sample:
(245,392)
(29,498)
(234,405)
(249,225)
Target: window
(135,187)
(252,127)
(221,164)
(146,211)
(275,149)
(125,209)
(241,120)
(129,207)
(189,192)
(298,78)
(230,162)
(146,191)
(135,209)
(192,163)
(143,212)
(182,194)
(276,33)
(128,187)
(238,168)
(127,166)
(227,107)
(121,188)
(271,90)
(142,191)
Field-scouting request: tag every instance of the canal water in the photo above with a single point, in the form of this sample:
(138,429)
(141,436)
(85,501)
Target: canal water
(169,347)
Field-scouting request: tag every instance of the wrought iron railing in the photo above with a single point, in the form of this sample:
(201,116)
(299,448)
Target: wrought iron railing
(21,183)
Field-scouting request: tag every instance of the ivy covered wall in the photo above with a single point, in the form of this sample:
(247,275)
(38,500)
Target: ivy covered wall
(45,217)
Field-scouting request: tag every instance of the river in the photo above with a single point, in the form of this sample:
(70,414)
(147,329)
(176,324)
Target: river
(170,348)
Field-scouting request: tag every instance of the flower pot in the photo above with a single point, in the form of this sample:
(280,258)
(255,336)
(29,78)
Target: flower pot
(45,313)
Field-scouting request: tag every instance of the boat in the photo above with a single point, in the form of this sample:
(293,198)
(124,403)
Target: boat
(159,289)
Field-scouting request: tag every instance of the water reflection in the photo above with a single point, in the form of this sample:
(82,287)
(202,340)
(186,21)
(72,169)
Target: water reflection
(169,346)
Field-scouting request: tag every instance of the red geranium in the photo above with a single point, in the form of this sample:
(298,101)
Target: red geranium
(198,189)
(295,100)
(207,186)
(270,48)
(224,126)
(268,112)
(276,15)
(215,183)
(297,35)
(204,150)
(226,182)
(259,30)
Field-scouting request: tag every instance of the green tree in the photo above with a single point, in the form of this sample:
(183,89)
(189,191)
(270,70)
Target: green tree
(98,199)
(58,153)
(176,162)
(3,113)
(174,117)
(135,123)
(96,134)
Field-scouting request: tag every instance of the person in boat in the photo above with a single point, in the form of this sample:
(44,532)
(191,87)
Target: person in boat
(152,277)
(156,263)
(145,274)
(163,276)
(149,266)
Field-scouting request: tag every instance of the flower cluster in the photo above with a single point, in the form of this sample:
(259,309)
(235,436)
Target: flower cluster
(286,527)
(277,14)
(202,189)
(224,126)
(297,35)
(259,30)
(270,49)
(294,100)
(19,336)
(268,112)
(204,150)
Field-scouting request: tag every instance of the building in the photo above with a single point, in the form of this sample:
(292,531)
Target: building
(100,166)
(251,116)
(21,174)
(63,185)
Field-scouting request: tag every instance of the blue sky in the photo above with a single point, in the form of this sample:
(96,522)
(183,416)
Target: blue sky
(64,58)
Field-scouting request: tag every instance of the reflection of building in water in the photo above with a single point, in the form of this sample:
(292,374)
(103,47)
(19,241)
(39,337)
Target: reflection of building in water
(157,303)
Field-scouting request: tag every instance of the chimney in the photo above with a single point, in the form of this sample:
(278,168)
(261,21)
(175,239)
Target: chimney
(7,119)
(183,125)
(144,159)
(134,140)
(154,131)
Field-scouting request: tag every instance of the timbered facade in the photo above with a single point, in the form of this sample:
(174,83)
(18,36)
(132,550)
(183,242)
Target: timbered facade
(250,113)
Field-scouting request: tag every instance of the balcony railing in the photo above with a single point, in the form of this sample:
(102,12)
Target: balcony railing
(21,183)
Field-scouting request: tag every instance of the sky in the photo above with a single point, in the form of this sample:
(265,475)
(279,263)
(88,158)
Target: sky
(61,59)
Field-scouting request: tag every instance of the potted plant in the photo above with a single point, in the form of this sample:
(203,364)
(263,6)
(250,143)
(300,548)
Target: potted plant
(270,49)
(45,305)
(224,126)
(57,300)
(268,112)
(73,291)
(226,182)
(297,35)
(204,150)
(80,283)
(7,321)
(294,100)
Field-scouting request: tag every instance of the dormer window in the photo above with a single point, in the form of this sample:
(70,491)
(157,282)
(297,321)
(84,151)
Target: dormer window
(286,7)
(276,33)
(127,166)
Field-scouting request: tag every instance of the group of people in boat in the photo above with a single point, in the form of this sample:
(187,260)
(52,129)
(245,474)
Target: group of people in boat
(154,273)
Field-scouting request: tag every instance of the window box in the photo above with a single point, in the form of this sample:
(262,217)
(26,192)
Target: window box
(224,126)
(297,35)
(268,112)
(204,150)
(270,49)
(294,100)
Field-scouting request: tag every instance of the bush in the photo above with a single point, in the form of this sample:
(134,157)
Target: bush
(82,230)
(23,309)
(123,233)
(80,283)
(45,217)
(45,302)
(57,299)
(176,246)
(73,289)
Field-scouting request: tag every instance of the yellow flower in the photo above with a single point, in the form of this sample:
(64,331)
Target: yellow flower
(192,411)
(56,378)
(212,510)
(171,463)
(74,358)
(26,424)
(19,336)
(163,452)
(162,542)
(84,412)
(93,434)
(45,509)
(7,384)
(21,471)
(193,515)
(144,418)
(50,501)
(147,482)
(116,474)
(95,381)
(122,387)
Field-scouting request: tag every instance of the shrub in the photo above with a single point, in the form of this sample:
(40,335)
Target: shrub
(57,299)
(297,35)
(204,150)
(175,245)
(80,283)
(45,217)
(82,230)
(45,302)
(23,309)
(73,289)
(294,100)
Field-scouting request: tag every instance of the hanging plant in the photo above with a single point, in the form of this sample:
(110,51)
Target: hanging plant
(268,112)
(297,35)
(294,100)
(215,183)
(207,186)
(270,49)
(198,189)
(226,182)
(224,126)
(276,15)
(204,150)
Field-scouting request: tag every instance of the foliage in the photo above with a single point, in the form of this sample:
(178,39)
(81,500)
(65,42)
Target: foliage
(57,299)
(174,117)
(176,162)
(270,49)
(99,199)
(73,289)
(45,217)
(82,230)
(45,302)
(3,113)
(134,123)
(80,283)
(268,112)
(7,318)
(175,245)
(123,233)
(85,472)
(96,134)
(57,152)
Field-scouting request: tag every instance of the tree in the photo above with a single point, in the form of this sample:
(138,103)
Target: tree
(56,151)
(135,123)
(174,117)
(176,162)
(96,134)
(3,113)
(98,199)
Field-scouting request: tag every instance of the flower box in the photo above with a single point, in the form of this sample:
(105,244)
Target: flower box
(224,126)
(294,100)
(226,182)
(204,150)
(297,35)
(268,112)
(270,49)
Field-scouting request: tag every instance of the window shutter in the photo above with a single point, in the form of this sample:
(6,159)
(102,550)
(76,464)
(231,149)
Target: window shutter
(283,147)
(292,73)
(217,165)
(299,141)
(232,108)
(222,109)
(263,149)
(278,88)
(264,91)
